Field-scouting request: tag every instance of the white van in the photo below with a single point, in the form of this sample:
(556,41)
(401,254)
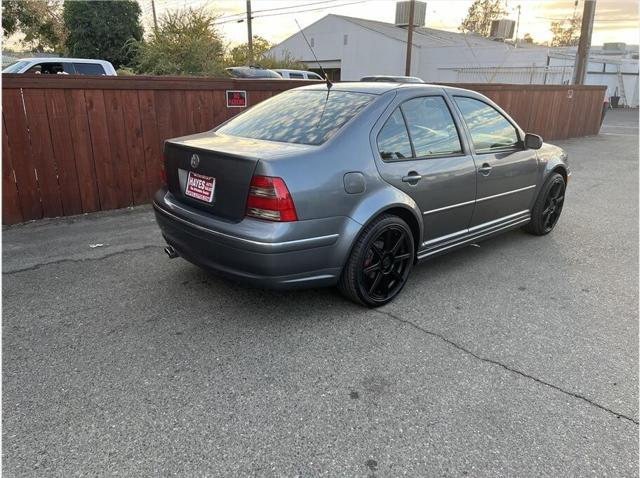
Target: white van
(298,74)
(61,66)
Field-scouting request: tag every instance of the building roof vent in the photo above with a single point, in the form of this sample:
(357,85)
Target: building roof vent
(402,14)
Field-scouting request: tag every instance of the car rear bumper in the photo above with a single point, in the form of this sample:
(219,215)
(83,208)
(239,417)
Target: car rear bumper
(261,253)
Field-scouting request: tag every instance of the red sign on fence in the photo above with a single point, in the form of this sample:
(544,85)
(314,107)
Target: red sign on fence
(236,99)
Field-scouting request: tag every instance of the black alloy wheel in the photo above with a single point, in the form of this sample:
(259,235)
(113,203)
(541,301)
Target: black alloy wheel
(380,262)
(553,205)
(548,206)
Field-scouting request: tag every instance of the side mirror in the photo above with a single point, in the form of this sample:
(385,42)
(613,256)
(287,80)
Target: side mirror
(532,141)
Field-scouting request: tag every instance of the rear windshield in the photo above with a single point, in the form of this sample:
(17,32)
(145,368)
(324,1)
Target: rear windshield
(305,117)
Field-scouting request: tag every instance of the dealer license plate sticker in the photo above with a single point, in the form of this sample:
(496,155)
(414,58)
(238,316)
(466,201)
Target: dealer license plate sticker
(200,187)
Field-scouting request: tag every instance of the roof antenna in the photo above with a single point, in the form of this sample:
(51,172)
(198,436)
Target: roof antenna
(329,84)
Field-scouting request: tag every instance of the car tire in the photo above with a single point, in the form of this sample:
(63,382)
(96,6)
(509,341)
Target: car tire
(548,206)
(380,262)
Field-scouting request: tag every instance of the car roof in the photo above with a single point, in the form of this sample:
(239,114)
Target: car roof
(245,67)
(286,70)
(375,87)
(394,78)
(61,59)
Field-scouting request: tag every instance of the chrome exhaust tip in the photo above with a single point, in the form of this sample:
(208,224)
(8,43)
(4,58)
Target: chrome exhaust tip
(171,252)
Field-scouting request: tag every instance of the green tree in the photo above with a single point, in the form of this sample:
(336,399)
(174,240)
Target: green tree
(528,38)
(480,15)
(239,56)
(39,21)
(102,29)
(186,43)
(566,32)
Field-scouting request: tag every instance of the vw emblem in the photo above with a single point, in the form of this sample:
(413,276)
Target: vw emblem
(195,160)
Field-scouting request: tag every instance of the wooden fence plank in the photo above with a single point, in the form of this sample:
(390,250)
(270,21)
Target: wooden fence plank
(150,140)
(566,112)
(19,143)
(520,110)
(11,213)
(82,150)
(577,117)
(205,99)
(179,121)
(102,156)
(135,146)
(62,144)
(42,152)
(118,140)
(163,116)
(220,111)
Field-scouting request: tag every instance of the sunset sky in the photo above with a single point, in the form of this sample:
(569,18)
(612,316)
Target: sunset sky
(616,20)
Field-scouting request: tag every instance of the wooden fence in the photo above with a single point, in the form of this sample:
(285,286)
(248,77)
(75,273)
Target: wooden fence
(74,145)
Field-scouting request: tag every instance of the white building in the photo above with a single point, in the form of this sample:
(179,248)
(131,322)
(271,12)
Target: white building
(349,48)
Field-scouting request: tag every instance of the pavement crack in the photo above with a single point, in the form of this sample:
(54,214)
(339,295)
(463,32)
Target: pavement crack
(84,259)
(506,367)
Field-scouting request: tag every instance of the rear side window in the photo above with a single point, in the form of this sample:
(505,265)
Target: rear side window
(299,76)
(89,69)
(489,129)
(298,116)
(393,139)
(431,127)
(313,76)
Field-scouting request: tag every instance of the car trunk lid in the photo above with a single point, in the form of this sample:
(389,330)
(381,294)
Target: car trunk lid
(230,161)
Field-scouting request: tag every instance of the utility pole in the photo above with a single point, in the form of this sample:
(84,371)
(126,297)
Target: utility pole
(155,18)
(582,57)
(517,27)
(249,34)
(407,68)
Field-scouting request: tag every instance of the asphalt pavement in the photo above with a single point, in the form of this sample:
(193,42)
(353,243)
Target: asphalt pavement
(515,358)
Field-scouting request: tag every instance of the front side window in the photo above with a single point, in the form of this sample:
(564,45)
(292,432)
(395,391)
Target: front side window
(489,129)
(431,127)
(298,116)
(46,69)
(393,140)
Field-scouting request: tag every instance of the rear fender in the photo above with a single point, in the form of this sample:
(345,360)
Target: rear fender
(376,203)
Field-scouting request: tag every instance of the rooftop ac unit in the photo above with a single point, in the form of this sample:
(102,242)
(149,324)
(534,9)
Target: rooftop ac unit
(615,46)
(502,29)
(403,10)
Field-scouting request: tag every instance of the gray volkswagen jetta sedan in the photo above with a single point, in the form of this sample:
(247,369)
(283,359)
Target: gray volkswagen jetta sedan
(353,185)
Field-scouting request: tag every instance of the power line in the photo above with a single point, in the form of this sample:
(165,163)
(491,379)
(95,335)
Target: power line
(294,6)
(224,19)
(597,20)
(240,17)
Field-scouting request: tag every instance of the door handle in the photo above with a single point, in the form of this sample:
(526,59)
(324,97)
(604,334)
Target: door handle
(485,170)
(411,178)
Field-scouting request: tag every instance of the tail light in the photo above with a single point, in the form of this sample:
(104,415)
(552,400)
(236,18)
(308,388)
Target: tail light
(269,199)
(163,172)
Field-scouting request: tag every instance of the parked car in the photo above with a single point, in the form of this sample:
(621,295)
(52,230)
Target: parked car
(354,185)
(298,74)
(64,66)
(252,72)
(393,79)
